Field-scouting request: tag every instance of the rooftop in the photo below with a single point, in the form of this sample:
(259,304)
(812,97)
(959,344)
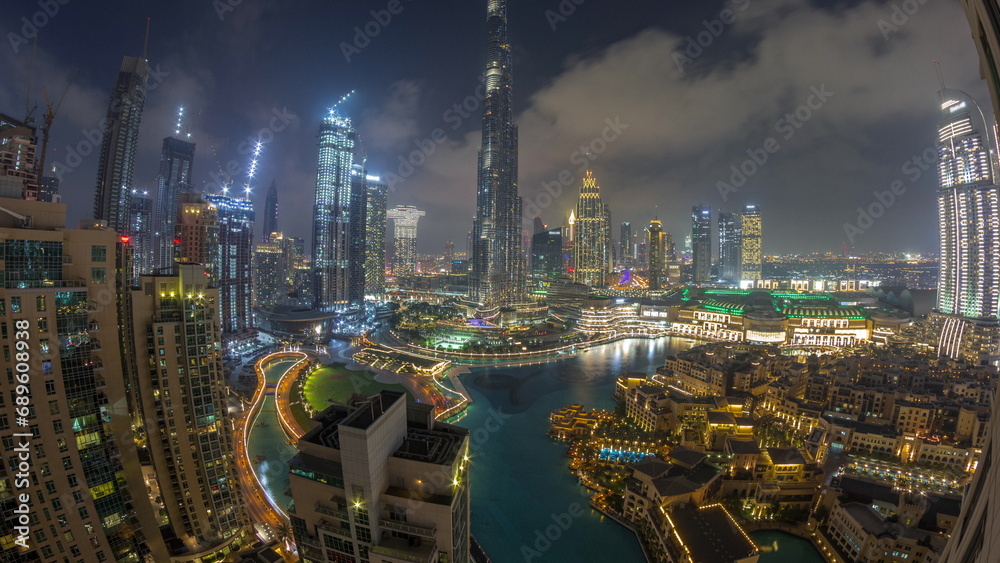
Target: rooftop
(711,535)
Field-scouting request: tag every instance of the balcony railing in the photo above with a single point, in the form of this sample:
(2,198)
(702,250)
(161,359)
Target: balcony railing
(327,511)
(422,531)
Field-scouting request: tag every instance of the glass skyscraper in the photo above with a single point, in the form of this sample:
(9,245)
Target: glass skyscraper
(121,139)
(332,213)
(701,244)
(729,247)
(404,256)
(969,223)
(497,277)
(233,261)
(270,212)
(376,202)
(176,159)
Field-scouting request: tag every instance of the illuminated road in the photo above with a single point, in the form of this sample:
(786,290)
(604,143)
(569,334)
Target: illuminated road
(263,510)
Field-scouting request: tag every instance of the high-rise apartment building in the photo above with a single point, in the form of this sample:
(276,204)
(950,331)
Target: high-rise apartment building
(376,203)
(232,262)
(404,255)
(593,233)
(174,322)
(965,317)
(497,277)
(357,246)
(270,212)
(751,244)
(730,243)
(116,166)
(86,497)
(701,244)
(176,160)
(332,217)
(381,482)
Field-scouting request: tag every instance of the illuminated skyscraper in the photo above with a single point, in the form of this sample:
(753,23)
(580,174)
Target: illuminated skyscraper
(593,233)
(270,273)
(375,225)
(497,277)
(332,213)
(232,262)
(701,244)
(140,224)
(404,259)
(751,244)
(176,159)
(657,251)
(729,247)
(270,212)
(118,148)
(969,223)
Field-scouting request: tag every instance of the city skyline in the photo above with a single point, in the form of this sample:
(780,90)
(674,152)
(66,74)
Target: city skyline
(393,114)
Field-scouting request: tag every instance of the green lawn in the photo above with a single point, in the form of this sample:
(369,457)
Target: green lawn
(334,383)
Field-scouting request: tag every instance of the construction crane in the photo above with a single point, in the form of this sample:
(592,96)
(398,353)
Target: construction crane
(47,119)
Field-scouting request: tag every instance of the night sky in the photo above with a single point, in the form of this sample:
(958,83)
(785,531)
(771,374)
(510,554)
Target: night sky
(685,114)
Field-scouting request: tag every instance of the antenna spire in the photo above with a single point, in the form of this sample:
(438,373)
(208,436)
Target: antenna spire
(940,73)
(145,43)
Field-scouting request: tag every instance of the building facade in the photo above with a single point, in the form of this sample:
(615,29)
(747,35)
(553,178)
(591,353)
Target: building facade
(143,231)
(593,234)
(174,322)
(701,244)
(176,161)
(381,482)
(657,252)
(332,213)
(730,243)
(116,166)
(87,499)
(232,262)
(547,254)
(404,255)
(497,276)
(18,167)
(751,249)
(969,223)
(270,212)
(376,204)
